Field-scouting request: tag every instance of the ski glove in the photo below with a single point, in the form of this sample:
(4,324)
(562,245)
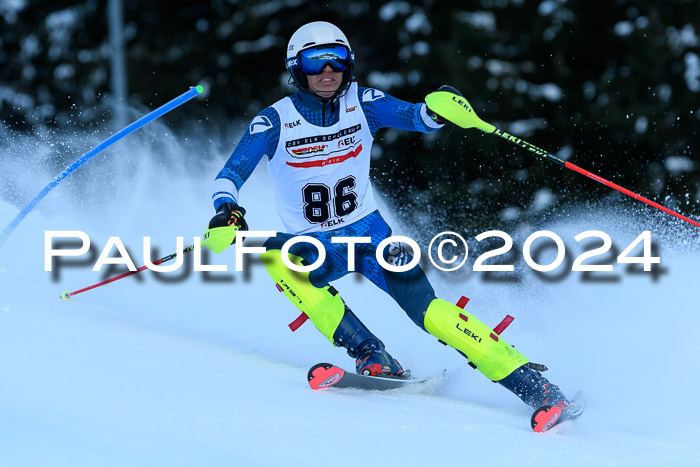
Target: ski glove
(221,233)
(229,214)
(448,104)
(431,112)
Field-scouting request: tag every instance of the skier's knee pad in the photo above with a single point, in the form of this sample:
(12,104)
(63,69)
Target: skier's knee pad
(460,330)
(322,305)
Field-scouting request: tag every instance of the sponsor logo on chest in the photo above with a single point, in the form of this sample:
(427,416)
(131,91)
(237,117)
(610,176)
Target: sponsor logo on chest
(309,150)
(326,145)
(345,142)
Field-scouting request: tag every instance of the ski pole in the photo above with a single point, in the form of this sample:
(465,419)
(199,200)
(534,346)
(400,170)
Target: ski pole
(548,155)
(469,119)
(165,108)
(66,295)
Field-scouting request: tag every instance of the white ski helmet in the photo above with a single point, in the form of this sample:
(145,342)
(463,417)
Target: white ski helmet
(312,35)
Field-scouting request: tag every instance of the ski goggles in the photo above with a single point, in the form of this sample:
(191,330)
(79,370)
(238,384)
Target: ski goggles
(313,61)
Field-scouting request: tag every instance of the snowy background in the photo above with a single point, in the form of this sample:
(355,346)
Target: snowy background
(205,372)
(192,369)
(614,89)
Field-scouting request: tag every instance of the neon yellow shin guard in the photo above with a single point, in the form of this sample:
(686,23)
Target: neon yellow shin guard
(460,330)
(324,308)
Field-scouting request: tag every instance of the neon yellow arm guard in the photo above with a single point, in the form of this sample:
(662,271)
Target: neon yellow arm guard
(456,109)
(217,239)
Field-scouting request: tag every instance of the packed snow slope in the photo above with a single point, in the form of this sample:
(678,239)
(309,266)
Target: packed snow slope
(189,368)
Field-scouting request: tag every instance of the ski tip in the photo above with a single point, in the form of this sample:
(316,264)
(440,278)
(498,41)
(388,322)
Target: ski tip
(545,418)
(324,375)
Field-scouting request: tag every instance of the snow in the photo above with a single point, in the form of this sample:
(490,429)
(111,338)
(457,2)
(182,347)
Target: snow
(679,164)
(544,199)
(500,67)
(265,9)
(548,91)
(14,98)
(692,71)
(390,10)
(547,7)
(265,42)
(59,25)
(484,20)
(526,127)
(387,80)
(624,28)
(680,39)
(9,9)
(418,23)
(641,124)
(30,47)
(64,71)
(510,213)
(197,371)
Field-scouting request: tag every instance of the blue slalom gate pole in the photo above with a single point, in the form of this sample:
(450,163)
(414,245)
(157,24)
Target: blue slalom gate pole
(165,108)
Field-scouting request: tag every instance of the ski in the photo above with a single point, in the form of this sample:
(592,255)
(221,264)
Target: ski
(548,416)
(325,375)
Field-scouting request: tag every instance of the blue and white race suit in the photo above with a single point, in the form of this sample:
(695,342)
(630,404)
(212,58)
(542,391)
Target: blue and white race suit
(319,160)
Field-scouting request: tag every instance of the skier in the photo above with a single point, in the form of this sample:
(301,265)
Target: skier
(318,143)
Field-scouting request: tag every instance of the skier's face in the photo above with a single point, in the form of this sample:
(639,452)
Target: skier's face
(326,83)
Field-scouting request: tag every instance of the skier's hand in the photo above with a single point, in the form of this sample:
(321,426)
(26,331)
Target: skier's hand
(449,105)
(221,233)
(432,113)
(229,214)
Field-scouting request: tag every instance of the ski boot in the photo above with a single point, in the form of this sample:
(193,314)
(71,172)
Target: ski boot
(371,358)
(550,404)
(531,387)
(374,360)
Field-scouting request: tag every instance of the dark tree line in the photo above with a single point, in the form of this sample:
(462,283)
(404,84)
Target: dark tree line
(614,86)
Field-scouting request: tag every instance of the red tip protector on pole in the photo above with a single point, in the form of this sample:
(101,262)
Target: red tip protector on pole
(462,302)
(503,324)
(296,324)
